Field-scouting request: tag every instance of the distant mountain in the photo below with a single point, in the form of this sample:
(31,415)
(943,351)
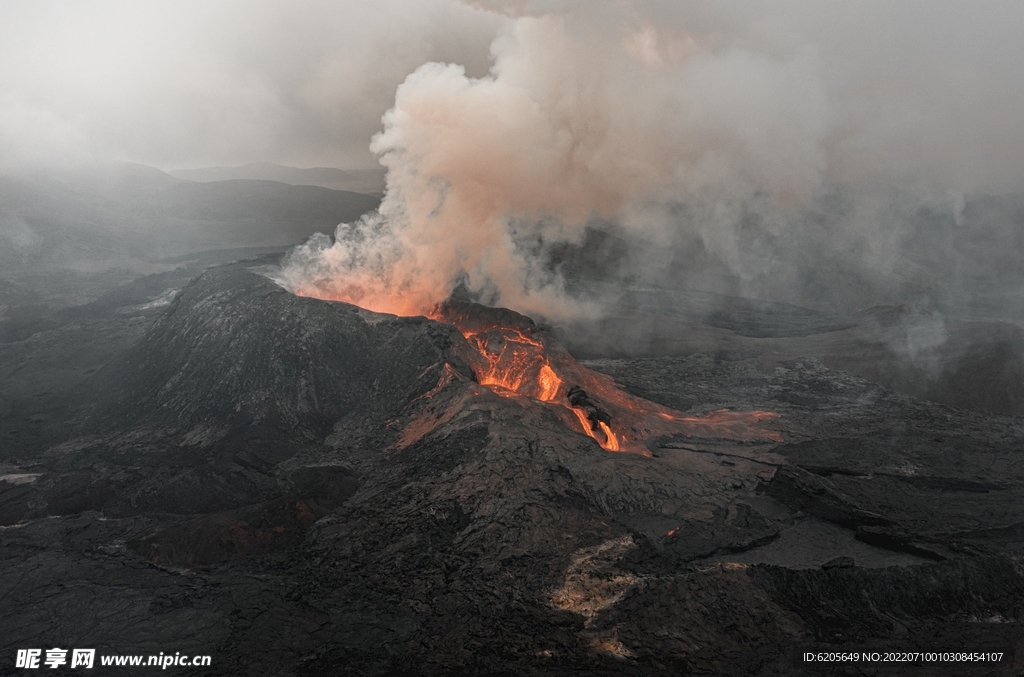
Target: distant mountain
(112,216)
(355,180)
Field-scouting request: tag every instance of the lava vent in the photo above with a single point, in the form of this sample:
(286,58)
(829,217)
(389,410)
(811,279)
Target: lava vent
(512,356)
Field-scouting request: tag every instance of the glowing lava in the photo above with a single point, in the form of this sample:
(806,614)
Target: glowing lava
(512,360)
(512,356)
(515,362)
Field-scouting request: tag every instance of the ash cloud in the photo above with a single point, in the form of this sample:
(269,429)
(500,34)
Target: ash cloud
(795,145)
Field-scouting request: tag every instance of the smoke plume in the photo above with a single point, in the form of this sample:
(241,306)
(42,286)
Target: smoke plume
(765,137)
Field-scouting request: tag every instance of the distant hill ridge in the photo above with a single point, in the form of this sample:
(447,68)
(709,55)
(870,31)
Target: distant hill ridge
(356,180)
(106,216)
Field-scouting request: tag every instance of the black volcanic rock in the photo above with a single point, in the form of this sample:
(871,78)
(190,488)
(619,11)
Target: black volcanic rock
(300,487)
(970,364)
(236,352)
(839,563)
(235,378)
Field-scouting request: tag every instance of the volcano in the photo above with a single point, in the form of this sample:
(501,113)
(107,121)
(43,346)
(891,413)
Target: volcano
(305,487)
(508,353)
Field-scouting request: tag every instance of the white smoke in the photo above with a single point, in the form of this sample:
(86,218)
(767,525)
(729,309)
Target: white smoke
(625,111)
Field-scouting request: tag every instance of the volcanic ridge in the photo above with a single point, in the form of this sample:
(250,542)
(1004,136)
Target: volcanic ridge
(307,485)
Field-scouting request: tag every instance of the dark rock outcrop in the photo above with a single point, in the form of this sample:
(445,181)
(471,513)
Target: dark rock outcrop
(298,487)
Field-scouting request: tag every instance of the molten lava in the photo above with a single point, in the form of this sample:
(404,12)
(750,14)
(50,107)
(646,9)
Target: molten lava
(512,361)
(512,356)
(515,362)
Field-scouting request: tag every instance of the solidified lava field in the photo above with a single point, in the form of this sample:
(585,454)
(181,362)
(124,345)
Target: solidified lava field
(303,487)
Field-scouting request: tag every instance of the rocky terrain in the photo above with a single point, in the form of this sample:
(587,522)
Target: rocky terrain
(211,465)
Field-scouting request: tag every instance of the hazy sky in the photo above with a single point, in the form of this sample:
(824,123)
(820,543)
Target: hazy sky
(930,88)
(185,83)
(510,122)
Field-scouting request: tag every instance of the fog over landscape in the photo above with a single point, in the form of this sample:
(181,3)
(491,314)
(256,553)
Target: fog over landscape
(838,156)
(779,139)
(533,337)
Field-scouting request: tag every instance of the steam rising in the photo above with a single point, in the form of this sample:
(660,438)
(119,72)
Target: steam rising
(783,150)
(568,126)
(659,120)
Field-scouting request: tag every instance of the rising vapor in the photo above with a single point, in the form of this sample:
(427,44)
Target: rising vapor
(635,113)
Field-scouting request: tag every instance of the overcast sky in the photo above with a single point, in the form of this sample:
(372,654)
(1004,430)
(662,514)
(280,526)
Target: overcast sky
(925,87)
(185,83)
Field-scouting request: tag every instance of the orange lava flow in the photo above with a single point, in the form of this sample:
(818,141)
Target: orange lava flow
(611,442)
(515,362)
(516,358)
(608,441)
(511,355)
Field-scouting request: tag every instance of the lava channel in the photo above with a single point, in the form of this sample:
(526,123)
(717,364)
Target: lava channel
(513,357)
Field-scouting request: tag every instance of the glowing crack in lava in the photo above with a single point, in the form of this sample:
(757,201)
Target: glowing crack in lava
(512,356)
